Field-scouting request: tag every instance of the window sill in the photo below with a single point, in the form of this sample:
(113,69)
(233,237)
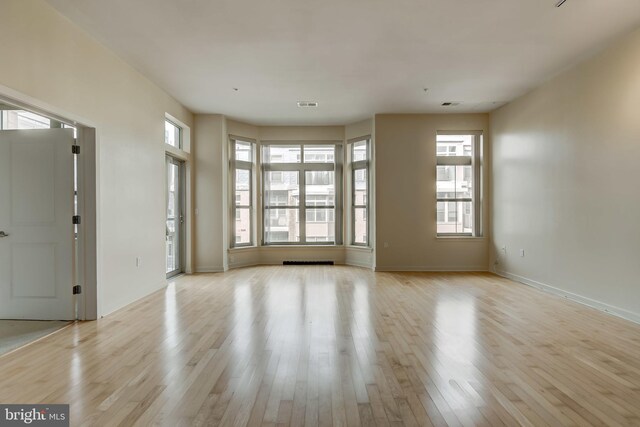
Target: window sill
(178,152)
(254,248)
(461,238)
(360,248)
(301,246)
(243,248)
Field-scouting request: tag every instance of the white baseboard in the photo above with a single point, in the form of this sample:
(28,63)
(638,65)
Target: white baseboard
(418,268)
(234,265)
(358,264)
(218,269)
(598,305)
(143,294)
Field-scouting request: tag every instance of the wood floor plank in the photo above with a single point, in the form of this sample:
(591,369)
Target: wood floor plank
(334,345)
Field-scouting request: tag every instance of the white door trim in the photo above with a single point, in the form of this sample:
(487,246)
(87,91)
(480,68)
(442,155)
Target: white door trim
(89,191)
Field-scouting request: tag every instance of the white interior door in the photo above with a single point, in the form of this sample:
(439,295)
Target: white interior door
(36,210)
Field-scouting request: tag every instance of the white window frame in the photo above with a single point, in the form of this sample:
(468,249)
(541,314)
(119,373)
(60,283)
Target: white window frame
(301,168)
(234,165)
(475,161)
(180,133)
(353,167)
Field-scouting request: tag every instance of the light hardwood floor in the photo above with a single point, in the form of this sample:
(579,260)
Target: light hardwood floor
(338,346)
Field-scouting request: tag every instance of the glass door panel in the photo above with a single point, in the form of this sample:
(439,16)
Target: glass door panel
(175,217)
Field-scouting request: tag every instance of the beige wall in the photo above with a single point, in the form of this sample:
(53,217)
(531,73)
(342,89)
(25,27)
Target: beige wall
(565,182)
(49,59)
(405,171)
(210,152)
(301,133)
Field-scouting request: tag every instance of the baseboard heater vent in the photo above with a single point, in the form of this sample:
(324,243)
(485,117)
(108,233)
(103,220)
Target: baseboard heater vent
(307,262)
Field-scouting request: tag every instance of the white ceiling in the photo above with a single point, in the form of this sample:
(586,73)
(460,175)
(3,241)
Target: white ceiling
(354,57)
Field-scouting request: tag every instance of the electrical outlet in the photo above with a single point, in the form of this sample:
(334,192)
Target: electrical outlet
(138,261)
(504,250)
(522,252)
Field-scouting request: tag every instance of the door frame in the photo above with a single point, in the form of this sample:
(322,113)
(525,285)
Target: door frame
(87,302)
(182,229)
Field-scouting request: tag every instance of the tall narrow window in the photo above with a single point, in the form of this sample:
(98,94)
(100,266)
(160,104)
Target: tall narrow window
(242,165)
(459,183)
(172,134)
(301,200)
(359,162)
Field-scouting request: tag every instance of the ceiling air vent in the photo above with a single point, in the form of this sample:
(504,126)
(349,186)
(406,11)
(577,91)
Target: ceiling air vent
(450,104)
(307,104)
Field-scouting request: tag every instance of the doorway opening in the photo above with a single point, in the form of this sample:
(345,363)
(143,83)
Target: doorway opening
(47,244)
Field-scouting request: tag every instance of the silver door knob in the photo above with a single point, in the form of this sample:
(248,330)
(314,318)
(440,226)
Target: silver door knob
(3,234)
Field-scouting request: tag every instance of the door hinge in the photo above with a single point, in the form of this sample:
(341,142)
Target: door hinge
(77,289)
(76,219)
(75,149)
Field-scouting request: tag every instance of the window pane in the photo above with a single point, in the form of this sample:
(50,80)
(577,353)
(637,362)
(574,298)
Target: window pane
(281,225)
(171,134)
(360,187)
(464,182)
(281,154)
(320,226)
(455,145)
(21,119)
(172,224)
(243,187)
(451,212)
(440,211)
(360,229)
(454,217)
(454,182)
(319,153)
(359,151)
(243,226)
(281,189)
(446,182)
(243,151)
(321,215)
(320,188)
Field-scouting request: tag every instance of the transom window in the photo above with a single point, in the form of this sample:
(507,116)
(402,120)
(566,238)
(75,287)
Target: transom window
(459,183)
(172,134)
(11,118)
(301,200)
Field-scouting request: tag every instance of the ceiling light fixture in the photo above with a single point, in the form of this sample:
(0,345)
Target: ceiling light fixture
(307,104)
(560,3)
